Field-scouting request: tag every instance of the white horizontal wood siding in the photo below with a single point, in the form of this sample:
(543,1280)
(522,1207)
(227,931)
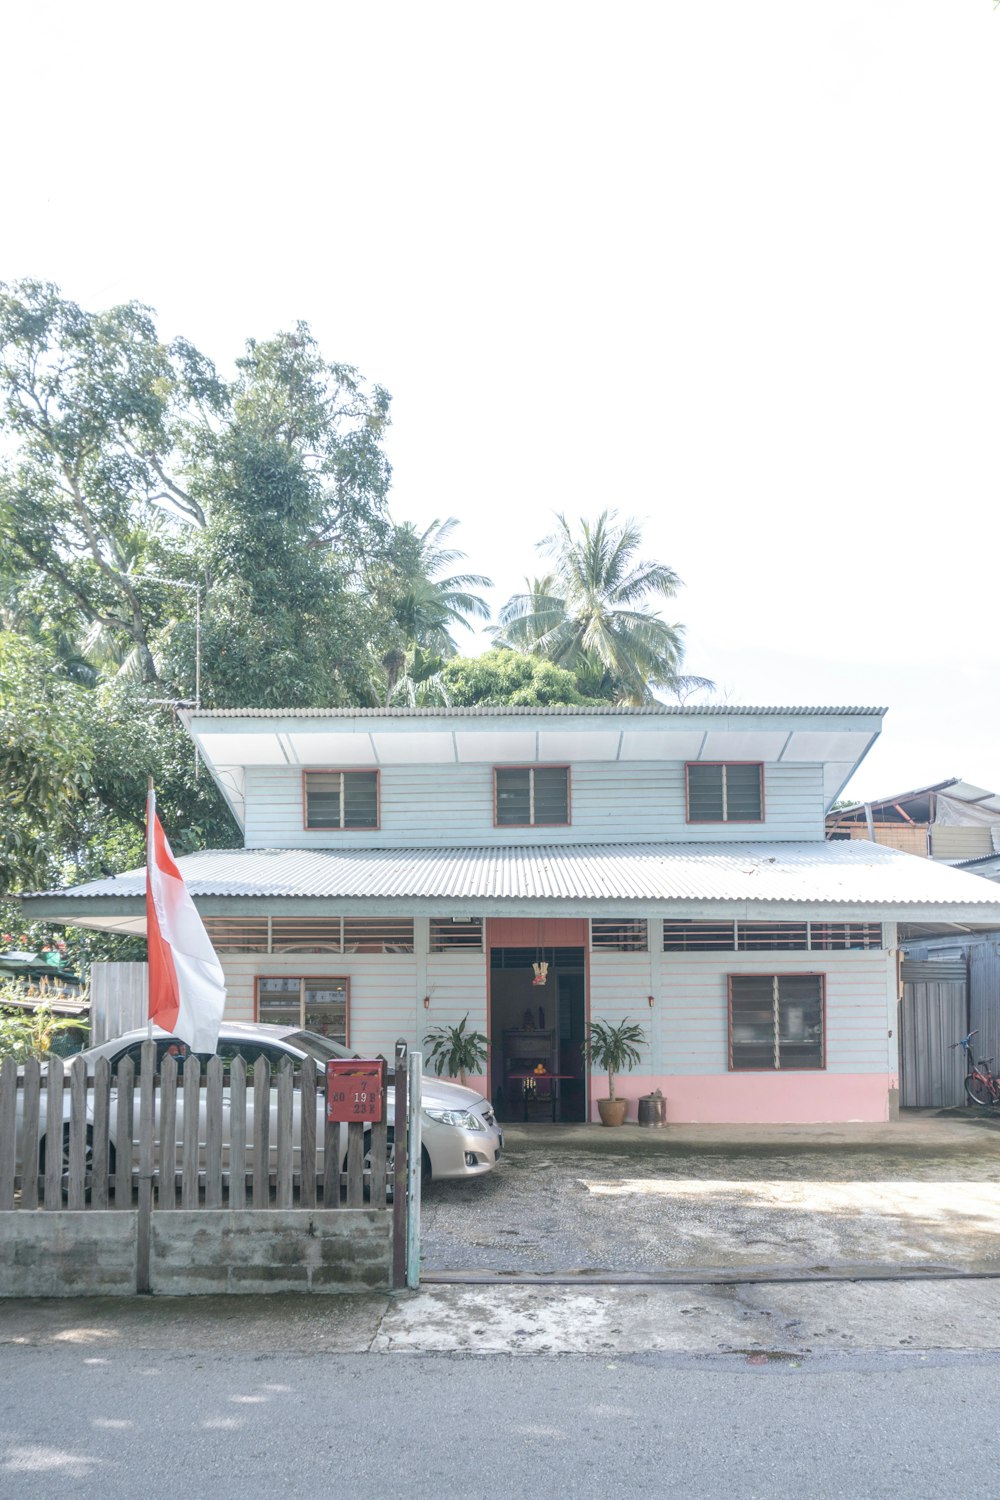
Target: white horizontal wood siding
(693,1013)
(456,987)
(620,986)
(453,805)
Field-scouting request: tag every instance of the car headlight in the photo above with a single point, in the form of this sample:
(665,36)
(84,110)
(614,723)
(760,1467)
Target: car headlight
(461,1117)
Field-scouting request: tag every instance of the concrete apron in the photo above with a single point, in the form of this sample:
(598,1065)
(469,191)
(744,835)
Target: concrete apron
(918,1196)
(787,1324)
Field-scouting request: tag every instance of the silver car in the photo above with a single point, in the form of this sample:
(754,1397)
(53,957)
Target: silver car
(461,1136)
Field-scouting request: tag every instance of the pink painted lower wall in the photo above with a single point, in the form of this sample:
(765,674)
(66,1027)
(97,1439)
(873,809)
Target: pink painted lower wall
(760,1098)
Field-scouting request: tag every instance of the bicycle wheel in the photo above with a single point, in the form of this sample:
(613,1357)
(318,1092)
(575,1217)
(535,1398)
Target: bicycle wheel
(978,1091)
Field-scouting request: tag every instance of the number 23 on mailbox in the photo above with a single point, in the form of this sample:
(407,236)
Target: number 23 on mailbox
(355,1089)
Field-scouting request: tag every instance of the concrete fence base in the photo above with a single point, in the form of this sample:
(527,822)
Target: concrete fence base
(93,1253)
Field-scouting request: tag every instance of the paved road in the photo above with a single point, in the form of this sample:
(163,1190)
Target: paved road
(126,1423)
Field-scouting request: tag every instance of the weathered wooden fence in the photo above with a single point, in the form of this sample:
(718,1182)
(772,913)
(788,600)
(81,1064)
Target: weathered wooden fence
(226,1136)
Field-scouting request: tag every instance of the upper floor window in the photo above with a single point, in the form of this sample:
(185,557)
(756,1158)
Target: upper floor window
(341,799)
(725,792)
(531,796)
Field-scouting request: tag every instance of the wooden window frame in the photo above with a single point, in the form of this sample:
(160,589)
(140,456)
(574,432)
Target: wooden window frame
(344,979)
(727,822)
(784,974)
(532,768)
(341,771)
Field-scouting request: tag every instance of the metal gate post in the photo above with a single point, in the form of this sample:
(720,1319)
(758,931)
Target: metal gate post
(415,1162)
(399,1175)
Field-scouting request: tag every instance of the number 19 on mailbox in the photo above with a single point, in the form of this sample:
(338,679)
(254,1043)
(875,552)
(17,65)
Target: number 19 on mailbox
(355,1090)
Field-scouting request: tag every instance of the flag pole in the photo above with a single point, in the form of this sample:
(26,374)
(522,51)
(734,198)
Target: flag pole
(150,809)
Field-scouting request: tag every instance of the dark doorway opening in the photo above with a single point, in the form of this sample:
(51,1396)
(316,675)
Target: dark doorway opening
(537,1066)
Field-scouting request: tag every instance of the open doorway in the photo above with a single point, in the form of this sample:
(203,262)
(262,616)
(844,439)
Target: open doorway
(537,1067)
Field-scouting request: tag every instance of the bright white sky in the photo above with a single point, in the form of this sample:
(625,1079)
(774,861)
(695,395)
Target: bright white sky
(729,267)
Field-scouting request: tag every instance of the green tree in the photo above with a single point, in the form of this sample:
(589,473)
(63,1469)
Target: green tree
(294,491)
(94,406)
(46,761)
(504,678)
(422,609)
(592,613)
(428,607)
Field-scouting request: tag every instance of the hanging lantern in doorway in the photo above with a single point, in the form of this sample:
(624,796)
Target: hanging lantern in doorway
(541,972)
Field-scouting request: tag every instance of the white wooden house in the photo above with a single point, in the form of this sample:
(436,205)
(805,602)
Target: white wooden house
(403,868)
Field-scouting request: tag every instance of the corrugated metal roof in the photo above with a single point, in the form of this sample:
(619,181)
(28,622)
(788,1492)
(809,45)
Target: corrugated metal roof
(856,872)
(484,711)
(959,790)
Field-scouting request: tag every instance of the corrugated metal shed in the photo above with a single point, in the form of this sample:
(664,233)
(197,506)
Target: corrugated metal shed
(852,873)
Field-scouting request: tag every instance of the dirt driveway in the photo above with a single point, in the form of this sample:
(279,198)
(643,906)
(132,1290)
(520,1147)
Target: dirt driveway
(924,1191)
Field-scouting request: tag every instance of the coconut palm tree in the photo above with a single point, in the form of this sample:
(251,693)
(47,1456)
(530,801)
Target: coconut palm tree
(591,614)
(427,607)
(423,609)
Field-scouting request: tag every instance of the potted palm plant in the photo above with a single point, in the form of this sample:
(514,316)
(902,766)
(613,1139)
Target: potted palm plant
(455,1050)
(616,1049)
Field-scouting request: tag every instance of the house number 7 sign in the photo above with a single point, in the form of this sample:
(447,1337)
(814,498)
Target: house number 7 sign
(355,1090)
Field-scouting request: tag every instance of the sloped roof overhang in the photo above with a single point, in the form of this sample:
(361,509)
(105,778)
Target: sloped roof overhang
(834,881)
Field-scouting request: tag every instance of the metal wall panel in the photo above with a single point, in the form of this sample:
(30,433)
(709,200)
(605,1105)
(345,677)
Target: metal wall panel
(932,1017)
(118,999)
(984,997)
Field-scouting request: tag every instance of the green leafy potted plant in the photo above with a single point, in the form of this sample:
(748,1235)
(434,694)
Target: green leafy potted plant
(615,1049)
(455,1050)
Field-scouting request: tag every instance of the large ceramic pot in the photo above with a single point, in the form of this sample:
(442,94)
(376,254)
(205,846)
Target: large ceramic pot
(612,1111)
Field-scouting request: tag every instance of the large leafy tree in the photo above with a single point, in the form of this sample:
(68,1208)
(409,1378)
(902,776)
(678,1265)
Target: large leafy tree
(136,484)
(594,613)
(94,407)
(46,761)
(294,491)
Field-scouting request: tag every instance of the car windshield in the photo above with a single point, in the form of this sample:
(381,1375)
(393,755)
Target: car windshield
(319,1048)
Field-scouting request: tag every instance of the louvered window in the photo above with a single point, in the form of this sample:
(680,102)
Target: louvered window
(529,796)
(311,934)
(725,792)
(456,935)
(619,935)
(771,937)
(698,937)
(833,935)
(776,1022)
(237,934)
(341,799)
(378,934)
(306,935)
(315,1004)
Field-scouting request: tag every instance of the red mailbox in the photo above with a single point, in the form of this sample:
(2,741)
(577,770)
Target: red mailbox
(355,1090)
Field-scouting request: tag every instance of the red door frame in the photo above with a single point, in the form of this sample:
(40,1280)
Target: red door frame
(539,932)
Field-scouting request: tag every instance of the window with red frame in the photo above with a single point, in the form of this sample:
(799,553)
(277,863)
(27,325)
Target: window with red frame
(530,795)
(725,792)
(341,799)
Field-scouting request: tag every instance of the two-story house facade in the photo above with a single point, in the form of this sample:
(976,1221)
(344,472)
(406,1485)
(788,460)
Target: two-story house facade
(539,869)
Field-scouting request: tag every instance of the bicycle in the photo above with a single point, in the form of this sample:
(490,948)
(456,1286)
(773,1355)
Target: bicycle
(981,1086)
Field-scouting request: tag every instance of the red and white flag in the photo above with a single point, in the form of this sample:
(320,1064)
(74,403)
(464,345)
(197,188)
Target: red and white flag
(187,988)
